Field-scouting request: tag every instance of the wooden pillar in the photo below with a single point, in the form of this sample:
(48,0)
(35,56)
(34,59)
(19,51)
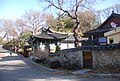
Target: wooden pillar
(47,48)
(67,45)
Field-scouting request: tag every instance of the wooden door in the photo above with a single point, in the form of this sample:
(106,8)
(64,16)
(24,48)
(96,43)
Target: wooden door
(87,59)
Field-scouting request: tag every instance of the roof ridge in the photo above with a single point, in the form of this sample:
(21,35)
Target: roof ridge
(112,15)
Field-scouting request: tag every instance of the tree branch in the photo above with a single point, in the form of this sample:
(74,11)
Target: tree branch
(66,11)
(77,6)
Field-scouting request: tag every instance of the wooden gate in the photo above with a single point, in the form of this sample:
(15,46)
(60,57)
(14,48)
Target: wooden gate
(87,59)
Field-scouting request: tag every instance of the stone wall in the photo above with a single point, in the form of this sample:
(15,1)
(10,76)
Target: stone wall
(102,56)
(106,58)
(71,57)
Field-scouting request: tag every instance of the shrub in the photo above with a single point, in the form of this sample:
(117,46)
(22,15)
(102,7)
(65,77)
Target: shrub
(43,60)
(70,66)
(55,64)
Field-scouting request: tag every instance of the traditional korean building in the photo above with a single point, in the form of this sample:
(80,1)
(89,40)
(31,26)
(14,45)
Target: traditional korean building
(96,36)
(69,42)
(113,36)
(41,42)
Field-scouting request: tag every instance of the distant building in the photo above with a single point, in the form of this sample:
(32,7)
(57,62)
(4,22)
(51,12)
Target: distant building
(96,36)
(69,42)
(113,36)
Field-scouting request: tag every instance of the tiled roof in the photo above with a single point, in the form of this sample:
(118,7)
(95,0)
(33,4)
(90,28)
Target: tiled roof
(95,31)
(100,29)
(72,39)
(94,47)
(48,35)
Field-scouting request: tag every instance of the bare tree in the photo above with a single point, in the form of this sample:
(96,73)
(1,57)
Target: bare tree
(7,27)
(1,30)
(33,20)
(105,13)
(49,19)
(117,8)
(1,38)
(20,25)
(71,8)
(87,20)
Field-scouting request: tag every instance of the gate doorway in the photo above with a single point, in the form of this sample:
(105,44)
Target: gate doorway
(87,59)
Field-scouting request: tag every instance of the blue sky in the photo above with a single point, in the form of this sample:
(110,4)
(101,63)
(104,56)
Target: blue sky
(15,8)
(12,9)
(102,4)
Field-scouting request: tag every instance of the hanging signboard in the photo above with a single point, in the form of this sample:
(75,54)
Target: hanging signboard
(102,40)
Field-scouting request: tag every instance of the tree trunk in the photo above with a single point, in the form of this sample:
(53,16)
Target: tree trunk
(3,37)
(75,35)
